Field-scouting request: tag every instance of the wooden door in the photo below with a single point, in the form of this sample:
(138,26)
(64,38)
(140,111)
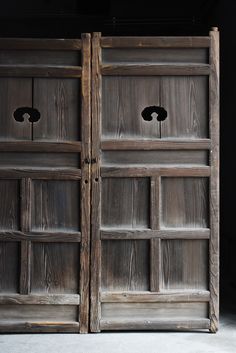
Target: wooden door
(155,206)
(44,184)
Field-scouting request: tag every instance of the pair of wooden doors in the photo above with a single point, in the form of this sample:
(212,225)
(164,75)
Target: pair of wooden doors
(110,212)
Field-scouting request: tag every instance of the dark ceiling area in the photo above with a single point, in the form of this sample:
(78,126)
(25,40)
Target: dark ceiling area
(68,18)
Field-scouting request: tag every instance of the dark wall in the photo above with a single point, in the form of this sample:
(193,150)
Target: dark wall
(68,18)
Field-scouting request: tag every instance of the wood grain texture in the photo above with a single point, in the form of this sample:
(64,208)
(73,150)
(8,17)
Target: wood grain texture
(37,159)
(15,93)
(155,69)
(155,324)
(185,202)
(10,205)
(39,57)
(32,299)
(59,108)
(34,146)
(95,268)
(125,202)
(166,157)
(149,145)
(9,270)
(61,237)
(85,183)
(55,268)
(39,327)
(166,233)
(184,264)
(47,196)
(42,174)
(155,42)
(40,71)
(151,297)
(155,55)
(214,181)
(40,44)
(125,265)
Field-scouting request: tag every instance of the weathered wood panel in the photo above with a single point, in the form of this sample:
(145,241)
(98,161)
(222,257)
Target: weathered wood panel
(185,202)
(10,205)
(59,106)
(55,268)
(9,267)
(184,264)
(14,93)
(125,265)
(125,202)
(55,205)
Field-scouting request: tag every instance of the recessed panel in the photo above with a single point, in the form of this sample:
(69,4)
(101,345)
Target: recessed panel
(184,264)
(125,265)
(55,268)
(9,204)
(58,101)
(155,55)
(56,205)
(9,267)
(185,202)
(125,202)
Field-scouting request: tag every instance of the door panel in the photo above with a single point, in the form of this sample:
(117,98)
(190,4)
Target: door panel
(154,227)
(45,186)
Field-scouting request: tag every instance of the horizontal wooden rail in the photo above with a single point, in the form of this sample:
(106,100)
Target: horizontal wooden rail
(156,69)
(62,237)
(52,173)
(171,171)
(155,42)
(148,145)
(40,71)
(151,297)
(36,299)
(39,44)
(38,146)
(14,326)
(110,234)
(152,324)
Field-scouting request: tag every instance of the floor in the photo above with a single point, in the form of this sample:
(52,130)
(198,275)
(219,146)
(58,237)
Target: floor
(135,342)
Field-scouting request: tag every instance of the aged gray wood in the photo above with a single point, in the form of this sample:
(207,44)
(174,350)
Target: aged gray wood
(148,145)
(95,267)
(9,270)
(139,157)
(10,205)
(32,299)
(151,297)
(34,146)
(40,327)
(66,237)
(15,93)
(125,265)
(167,233)
(125,202)
(155,69)
(155,55)
(59,108)
(214,180)
(39,44)
(37,159)
(46,196)
(39,173)
(155,324)
(85,183)
(55,268)
(155,42)
(185,202)
(40,71)
(184,264)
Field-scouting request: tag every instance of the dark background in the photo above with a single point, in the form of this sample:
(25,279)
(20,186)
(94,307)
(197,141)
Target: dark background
(68,18)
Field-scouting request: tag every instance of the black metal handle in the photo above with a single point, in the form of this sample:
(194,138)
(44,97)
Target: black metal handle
(22,113)
(149,112)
